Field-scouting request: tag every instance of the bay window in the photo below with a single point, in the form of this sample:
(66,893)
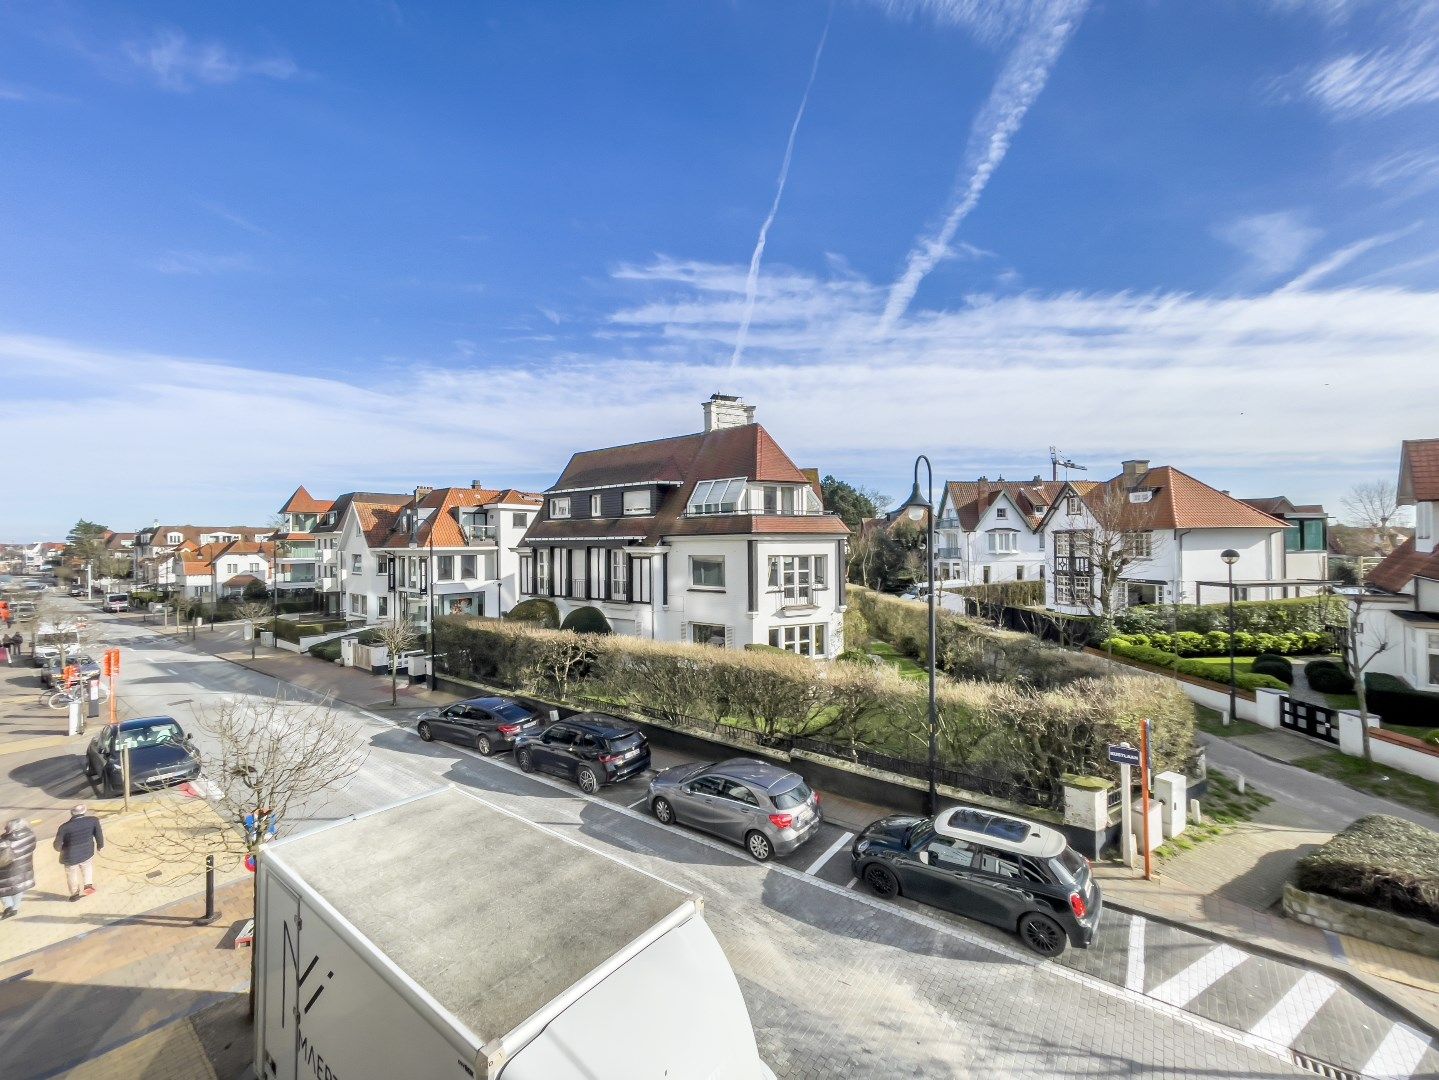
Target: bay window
(807,639)
(1003,541)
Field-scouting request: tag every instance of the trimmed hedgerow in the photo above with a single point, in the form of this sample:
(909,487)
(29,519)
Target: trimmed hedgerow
(1396,703)
(1305,614)
(1381,862)
(1328,677)
(1146,654)
(536,611)
(587,620)
(1216,643)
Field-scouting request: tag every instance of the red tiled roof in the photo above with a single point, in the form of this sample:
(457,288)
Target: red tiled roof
(1403,565)
(679,464)
(1419,470)
(1179,501)
(243,579)
(302,502)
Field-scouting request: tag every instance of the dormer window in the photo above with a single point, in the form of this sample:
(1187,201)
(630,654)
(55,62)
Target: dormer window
(637,501)
(174,538)
(716,496)
(1140,496)
(595,504)
(560,507)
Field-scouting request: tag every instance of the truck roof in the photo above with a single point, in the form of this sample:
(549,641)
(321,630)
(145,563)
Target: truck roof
(491,915)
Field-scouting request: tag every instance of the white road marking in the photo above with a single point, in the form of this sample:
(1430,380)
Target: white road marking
(640,801)
(853,883)
(1134,973)
(1398,1055)
(829,852)
(1292,1013)
(1199,976)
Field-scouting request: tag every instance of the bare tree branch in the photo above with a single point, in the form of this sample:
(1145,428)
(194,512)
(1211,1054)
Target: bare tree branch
(1374,506)
(397,636)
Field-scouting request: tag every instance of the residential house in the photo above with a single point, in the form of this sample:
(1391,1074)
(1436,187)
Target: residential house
(1174,529)
(224,570)
(327,530)
(1399,616)
(1306,542)
(989,530)
(155,545)
(715,538)
(297,569)
(450,550)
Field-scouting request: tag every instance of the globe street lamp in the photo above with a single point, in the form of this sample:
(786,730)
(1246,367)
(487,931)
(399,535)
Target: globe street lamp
(919,501)
(1230,557)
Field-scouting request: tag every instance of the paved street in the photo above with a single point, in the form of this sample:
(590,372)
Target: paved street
(839,983)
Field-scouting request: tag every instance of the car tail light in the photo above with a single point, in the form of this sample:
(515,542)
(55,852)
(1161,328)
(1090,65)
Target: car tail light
(816,798)
(1076,904)
(509,729)
(610,759)
(781,821)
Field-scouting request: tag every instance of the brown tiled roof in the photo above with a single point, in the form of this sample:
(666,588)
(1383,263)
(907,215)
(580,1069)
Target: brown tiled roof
(1179,501)
(1403,565)
(375,521)
(243,579)
(970,499)
(358,498)
(1419,470)
(679,464)
(1279,506)
(442,528)
(302,502)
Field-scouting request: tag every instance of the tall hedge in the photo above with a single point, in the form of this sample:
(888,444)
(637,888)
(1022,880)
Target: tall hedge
(1381,862)
(1304,614)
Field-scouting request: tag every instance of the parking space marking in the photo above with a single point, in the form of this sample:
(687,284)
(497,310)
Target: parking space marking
(1199,976)
(640,801)
(1292,1013)
(1398,1055)
(1134,972)
(829,852)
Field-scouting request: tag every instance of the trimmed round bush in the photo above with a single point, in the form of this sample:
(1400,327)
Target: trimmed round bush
(587,620)
(1381,862)
(1278,667)
(537,612)
(1396,703)
(1328,677)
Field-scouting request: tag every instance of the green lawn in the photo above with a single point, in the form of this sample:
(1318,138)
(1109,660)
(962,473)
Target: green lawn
(1341,701)
(1425,734)
(908,668)
(1207,720)
(1366,776)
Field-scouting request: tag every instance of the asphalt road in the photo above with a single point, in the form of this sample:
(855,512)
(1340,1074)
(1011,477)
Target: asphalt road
(842,984)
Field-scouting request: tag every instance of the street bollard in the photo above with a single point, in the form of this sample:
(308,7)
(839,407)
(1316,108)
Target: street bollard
(1239,782)
(210,914)
(1195,814)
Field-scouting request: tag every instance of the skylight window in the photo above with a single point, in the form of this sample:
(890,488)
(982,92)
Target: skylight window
(717,496)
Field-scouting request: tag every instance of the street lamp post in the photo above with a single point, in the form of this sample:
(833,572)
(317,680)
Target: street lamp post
(925,503)
(1230,557)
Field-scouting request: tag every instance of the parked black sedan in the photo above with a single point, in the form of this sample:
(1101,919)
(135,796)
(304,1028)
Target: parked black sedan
(160,754)
(1001,870)
(592,749)
(489,724)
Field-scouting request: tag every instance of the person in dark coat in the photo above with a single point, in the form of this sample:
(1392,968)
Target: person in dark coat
(17,865)
(77,841)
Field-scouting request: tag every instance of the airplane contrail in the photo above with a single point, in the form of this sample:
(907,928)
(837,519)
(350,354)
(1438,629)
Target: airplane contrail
(751,286)
(1020,80)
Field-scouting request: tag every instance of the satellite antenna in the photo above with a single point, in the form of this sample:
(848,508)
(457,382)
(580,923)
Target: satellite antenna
(1058,461)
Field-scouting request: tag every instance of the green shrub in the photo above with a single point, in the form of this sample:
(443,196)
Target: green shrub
(1147,654)
(1279,667)
(327,650)
(1396,703)
(1381,862)
(587,620)
(1306,614)
(537,612)
(1328,677)
(145,597)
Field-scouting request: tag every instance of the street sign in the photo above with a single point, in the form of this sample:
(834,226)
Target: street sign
(1124,755)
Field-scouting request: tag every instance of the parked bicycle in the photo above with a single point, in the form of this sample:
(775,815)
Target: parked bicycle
(60,699)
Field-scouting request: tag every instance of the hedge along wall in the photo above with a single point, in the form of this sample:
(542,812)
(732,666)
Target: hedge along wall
(967,649)
(1011,732)
(1305,614)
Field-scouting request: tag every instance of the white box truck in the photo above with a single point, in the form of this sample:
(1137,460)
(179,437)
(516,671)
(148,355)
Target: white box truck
(445,937)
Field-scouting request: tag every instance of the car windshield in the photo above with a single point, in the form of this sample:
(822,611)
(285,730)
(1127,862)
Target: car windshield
(1070,867)
(516,714)
(920,833)
(149,735)
(621,743)
(789,798)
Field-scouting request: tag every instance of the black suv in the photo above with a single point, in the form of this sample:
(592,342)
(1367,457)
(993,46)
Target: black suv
(1014,874)
(591,749)
(489,724)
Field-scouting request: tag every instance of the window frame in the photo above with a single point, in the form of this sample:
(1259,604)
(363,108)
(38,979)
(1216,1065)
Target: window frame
(715,640)
(597,504)
(559,507)
(637,510)
(707,586)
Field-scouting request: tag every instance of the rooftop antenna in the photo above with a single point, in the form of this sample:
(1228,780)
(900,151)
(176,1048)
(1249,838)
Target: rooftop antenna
(1058,461)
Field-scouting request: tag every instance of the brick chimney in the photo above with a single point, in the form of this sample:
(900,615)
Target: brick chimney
(1134,468)
(475,485)
(725,411)
(422,490)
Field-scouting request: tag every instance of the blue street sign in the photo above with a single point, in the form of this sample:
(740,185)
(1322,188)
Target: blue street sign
(1124,755)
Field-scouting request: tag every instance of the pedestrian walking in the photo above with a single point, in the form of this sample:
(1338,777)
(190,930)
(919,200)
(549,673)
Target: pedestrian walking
(19,644)
(17,865)
(77,841)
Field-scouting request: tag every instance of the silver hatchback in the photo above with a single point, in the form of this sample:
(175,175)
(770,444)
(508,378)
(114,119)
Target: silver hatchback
(767,809)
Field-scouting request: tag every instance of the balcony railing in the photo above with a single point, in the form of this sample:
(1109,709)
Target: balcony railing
(478,534)
(949,553)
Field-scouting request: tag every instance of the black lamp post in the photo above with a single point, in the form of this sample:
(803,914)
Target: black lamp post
(1230,557)
(920,501)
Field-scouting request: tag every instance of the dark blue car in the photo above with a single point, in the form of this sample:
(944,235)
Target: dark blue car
(160,754)
(592,749)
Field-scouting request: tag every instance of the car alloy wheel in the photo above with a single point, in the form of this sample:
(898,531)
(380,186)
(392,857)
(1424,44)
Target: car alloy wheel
(589,782)
(524,761)
(759,846)
(1042,934)
(484,746)
(664,812)
(425,732)
(881,881)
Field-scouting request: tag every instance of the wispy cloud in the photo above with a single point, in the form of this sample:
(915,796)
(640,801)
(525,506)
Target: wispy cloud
(1343,257)
(177,63)
(1022,77)
(199,262)
(1273,243)
(752,280)
(237,220)
(1410,172)
(1377,82)
(990,21)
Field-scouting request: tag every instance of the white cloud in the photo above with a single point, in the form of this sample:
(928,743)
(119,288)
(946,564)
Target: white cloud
(1377,82)
(199,262)
(177,63)
(1278,389)
(1343,257)
(990,21)
(1271,243)
(1409,172)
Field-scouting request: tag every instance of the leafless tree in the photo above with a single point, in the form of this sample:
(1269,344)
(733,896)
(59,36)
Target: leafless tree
(1374,506)
(1118,536)
(397,636)
(252,611)
(1362,646)
(261,759)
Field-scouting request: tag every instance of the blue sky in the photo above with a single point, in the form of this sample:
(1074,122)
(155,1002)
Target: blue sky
(368,245)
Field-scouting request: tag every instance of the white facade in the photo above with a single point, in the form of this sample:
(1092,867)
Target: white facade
(1003,545)
(1406,621)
